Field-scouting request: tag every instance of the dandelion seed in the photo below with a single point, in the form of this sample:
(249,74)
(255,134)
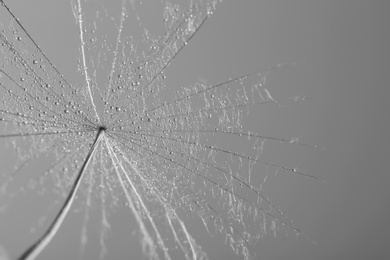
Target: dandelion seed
(163,152)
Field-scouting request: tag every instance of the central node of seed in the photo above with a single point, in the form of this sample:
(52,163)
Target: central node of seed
(102,128)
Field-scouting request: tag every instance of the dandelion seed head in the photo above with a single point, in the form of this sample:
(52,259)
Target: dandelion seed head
(124,137)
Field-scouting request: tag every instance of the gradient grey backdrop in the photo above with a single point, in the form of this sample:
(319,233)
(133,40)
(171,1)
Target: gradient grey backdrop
(345,46)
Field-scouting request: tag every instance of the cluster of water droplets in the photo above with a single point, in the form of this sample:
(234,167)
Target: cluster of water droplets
(167,152)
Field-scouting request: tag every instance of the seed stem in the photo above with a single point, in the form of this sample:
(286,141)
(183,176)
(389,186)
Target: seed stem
(39,245)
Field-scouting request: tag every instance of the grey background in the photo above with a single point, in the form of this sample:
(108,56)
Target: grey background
(344,46)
